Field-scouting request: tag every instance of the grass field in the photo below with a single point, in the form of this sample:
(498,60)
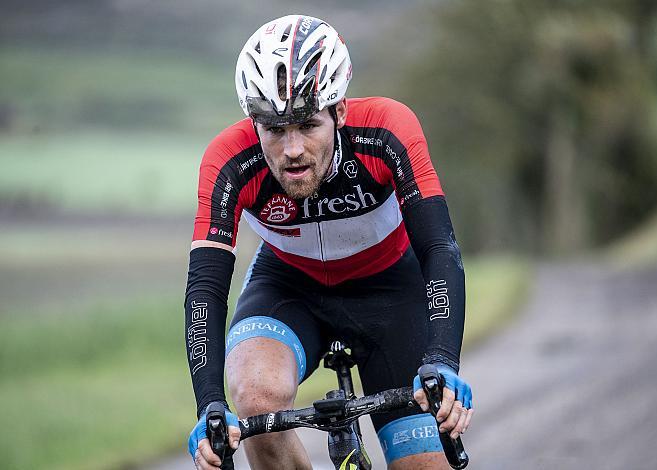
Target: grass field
(94,389)
(496,286)
(111,381)
(91,171)
(637,249)
(53,90)
(108,131)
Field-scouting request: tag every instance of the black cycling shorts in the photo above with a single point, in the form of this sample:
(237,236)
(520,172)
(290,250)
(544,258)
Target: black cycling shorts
(382,318)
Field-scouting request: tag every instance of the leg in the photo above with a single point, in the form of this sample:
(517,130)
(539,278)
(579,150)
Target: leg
(262,377)
(389,337)
(421,461)
(273,344)
(411,443)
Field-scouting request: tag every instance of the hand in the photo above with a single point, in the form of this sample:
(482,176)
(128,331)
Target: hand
(199,444)
(456,406)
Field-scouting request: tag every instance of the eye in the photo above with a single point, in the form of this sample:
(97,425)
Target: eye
(307,126)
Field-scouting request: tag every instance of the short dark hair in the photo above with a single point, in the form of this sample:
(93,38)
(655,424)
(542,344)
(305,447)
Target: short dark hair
(281,76)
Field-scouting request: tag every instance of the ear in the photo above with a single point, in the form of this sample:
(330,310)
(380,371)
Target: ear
(341,112)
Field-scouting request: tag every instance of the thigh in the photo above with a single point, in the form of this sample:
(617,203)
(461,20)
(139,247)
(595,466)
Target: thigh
(409,438)
(386,325)
(272,345)
(390,335)
(391,352)
(269,310)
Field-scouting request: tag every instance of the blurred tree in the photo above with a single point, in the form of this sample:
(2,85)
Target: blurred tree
(643,15)
(542,115)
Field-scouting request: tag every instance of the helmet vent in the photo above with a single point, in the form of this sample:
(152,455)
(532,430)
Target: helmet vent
(311,63)
(286,33)
(281,82)
(257,47)
(258,68)
(246,86)
(321,77)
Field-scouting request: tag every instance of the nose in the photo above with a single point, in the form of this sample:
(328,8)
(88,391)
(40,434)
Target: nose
(293,146)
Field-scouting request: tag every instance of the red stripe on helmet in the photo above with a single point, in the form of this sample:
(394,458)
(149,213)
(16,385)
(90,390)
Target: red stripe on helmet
(294,38)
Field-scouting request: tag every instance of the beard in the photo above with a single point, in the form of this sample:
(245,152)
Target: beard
(301,189)
(308,185)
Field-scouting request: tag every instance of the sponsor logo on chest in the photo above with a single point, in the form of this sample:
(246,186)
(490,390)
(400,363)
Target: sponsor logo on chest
(351,202)
(350,169)
(279,209)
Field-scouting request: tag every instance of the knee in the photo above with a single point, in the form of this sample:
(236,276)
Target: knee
(257,394)
(261,376)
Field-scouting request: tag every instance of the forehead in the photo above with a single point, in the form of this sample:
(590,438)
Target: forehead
(318,118)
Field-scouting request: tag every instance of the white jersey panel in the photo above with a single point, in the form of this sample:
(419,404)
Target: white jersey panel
(332,239)
(302,240)
(346,237)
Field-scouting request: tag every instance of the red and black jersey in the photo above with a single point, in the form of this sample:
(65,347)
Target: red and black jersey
(352,227)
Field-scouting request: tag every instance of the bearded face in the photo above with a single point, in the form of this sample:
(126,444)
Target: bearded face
(299,155)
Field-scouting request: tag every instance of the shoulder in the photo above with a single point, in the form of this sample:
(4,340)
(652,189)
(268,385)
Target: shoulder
(377,111)
(232,142)
(390,120)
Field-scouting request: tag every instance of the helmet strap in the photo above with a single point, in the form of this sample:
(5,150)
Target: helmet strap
(255,128)
(334,114)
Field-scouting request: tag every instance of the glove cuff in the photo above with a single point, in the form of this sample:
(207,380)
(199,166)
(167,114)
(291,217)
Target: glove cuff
(440,360)
(203,410)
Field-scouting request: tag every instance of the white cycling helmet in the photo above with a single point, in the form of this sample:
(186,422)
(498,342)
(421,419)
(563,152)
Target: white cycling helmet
(290,69)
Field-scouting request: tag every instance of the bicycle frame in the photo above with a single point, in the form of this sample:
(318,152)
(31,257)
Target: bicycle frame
(345,446)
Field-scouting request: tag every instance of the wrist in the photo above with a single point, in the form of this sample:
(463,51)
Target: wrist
(440,360)
(203,407)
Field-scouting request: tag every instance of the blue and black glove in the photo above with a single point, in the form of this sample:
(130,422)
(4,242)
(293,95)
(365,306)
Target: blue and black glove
(429,386)
(453,382)
(200,431)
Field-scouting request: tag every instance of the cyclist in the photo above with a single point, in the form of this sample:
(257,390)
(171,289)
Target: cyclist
(357,245)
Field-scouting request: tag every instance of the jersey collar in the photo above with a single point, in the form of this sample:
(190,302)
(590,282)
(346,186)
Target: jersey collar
(337,158)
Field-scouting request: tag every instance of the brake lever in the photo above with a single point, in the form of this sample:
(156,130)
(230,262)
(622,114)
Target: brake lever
(432,384)
(217,433)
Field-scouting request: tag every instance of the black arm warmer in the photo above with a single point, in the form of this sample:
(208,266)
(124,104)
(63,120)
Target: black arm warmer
(206,307)
(432,238)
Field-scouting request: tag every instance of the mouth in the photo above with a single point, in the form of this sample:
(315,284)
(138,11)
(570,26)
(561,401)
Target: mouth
(297,172)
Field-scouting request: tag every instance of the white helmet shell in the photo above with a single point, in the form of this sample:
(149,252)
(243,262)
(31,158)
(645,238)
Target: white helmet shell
(290,69)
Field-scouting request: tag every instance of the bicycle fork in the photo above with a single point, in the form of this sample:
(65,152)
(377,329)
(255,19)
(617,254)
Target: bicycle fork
(345,446)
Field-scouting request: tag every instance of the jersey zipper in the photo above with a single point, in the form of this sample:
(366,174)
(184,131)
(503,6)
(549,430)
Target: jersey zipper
(321,250)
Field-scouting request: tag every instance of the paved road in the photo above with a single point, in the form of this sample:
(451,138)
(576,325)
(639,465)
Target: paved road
(572,384)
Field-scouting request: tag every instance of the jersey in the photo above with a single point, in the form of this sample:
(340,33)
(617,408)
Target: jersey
(353,226)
